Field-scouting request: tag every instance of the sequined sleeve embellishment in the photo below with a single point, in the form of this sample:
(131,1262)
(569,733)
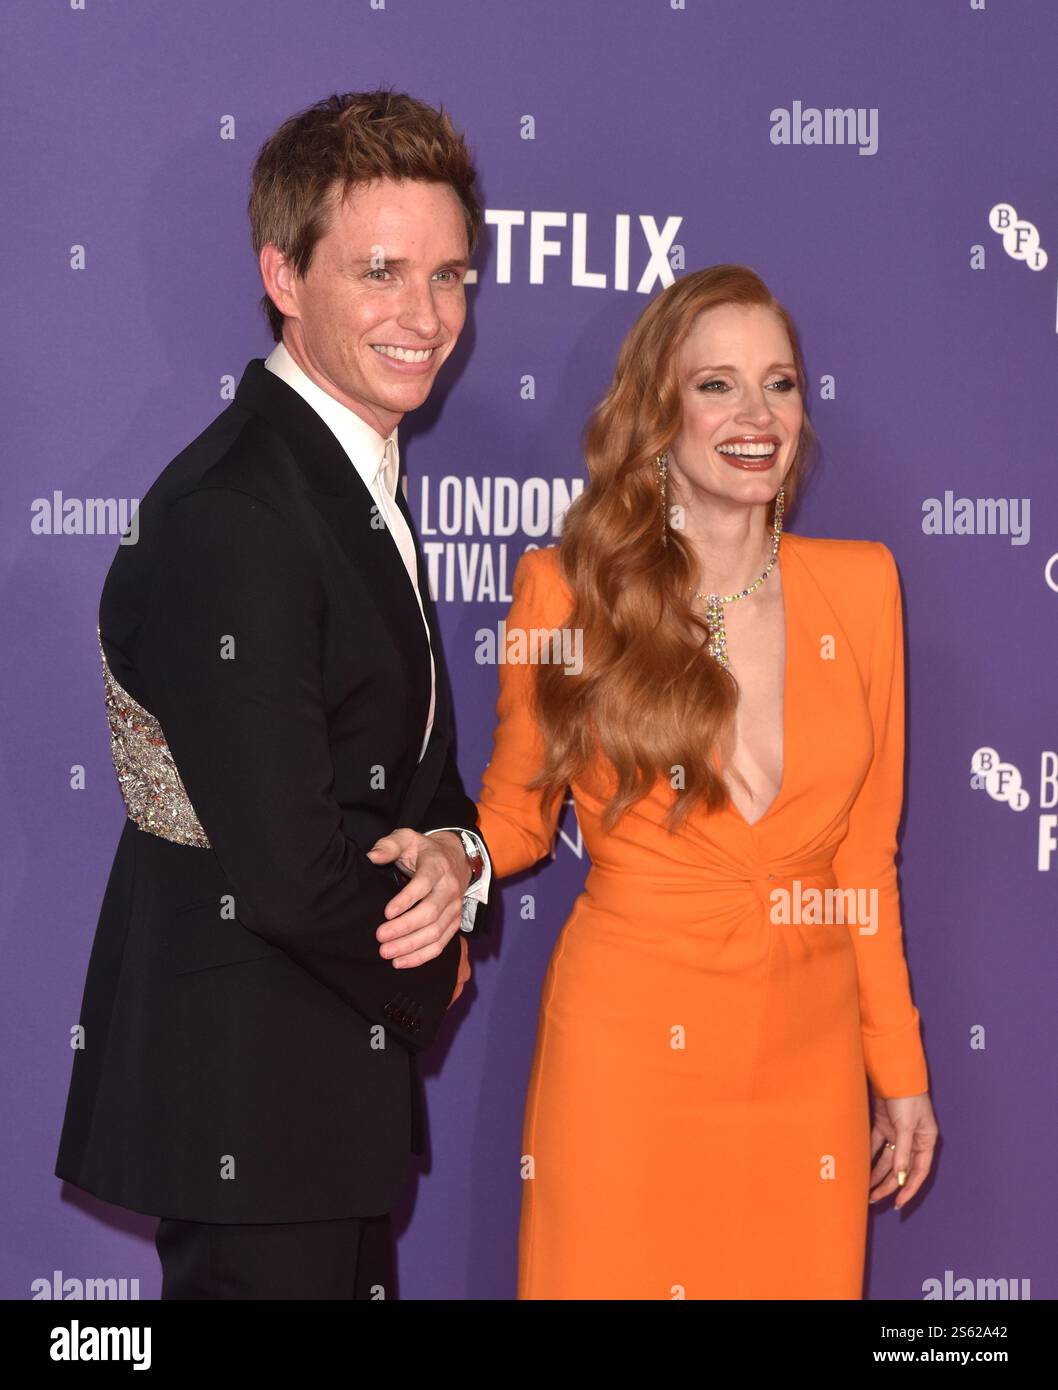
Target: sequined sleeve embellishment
(151,786)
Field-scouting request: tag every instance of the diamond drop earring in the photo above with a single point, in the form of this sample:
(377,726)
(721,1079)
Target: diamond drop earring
(661,468)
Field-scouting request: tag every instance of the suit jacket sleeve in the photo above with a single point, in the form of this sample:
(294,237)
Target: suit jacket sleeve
(893,1054)
(518,828)
(229,654)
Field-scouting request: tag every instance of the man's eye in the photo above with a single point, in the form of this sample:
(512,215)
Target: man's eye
(378,271)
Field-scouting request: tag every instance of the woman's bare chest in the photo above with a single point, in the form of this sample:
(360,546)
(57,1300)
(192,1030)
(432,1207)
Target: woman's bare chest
(756,648)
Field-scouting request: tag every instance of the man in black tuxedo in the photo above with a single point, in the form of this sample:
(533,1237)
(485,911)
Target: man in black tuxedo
(264,970)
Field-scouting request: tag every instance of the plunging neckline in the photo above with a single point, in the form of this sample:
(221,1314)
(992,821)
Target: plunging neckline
(786,686)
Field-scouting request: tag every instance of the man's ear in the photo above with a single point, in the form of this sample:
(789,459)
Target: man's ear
(279,279)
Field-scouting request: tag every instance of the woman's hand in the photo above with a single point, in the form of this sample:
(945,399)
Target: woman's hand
(902,1142)
(463,974)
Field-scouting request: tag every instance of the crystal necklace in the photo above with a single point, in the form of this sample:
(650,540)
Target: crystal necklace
(714,603)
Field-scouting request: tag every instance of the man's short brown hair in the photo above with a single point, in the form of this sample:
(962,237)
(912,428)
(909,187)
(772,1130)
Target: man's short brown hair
(349,140)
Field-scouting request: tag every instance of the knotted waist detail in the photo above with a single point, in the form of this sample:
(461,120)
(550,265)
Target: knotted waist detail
(609,888)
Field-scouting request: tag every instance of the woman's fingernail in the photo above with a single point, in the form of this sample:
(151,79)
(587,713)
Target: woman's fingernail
(901,1177)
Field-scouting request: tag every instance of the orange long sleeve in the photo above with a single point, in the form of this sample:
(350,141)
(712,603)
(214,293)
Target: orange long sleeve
(517,830)
(892,1045)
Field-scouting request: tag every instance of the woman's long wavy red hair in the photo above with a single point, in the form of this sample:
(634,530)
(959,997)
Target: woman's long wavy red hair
(648,698)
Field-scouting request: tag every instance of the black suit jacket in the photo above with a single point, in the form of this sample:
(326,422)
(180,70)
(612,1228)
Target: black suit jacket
(248,1056)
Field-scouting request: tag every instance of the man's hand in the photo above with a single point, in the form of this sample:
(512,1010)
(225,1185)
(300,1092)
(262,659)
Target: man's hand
(429,908)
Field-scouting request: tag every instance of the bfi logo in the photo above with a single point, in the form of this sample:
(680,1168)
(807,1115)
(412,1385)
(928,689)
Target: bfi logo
(1002,781)
(1021,240)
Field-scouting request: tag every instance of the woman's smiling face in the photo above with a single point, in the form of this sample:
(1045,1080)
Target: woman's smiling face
(742,406)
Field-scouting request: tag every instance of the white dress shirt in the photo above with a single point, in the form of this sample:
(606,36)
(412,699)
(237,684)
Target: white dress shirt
(377,461)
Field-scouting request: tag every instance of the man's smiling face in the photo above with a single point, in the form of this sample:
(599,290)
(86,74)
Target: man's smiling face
(382,303)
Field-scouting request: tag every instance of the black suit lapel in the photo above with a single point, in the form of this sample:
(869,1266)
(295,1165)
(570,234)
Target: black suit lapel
(443,709)
(340,496)
(342,499)
(427,775)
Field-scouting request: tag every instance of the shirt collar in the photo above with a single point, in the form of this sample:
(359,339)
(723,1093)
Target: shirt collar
(366,448)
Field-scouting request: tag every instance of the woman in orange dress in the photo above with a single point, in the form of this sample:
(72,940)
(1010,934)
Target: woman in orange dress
(726,703)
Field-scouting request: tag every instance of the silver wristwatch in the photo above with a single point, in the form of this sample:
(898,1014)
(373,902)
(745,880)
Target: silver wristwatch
(474,856)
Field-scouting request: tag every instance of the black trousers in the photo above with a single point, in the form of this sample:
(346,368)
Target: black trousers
(350,1258)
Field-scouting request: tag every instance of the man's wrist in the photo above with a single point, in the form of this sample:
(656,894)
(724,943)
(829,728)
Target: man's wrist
(452,832)
(481,867)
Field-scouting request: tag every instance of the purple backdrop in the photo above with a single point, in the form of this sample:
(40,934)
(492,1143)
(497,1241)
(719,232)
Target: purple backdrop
(912,252)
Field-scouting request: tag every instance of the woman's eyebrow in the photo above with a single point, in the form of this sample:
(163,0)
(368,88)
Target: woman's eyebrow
(727,367)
